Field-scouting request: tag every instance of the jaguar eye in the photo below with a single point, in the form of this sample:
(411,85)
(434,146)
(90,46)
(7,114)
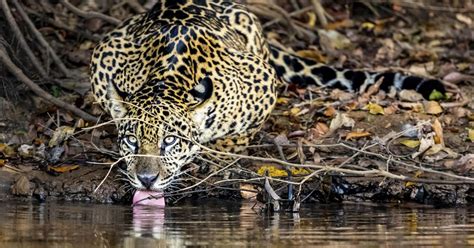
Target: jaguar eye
(169,140)
(131,139)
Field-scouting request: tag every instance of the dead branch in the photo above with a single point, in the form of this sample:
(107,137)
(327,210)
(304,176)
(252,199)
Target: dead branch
(89,14)
(18,73)
(41,39)
(61,25)
(318,8)
(21,38)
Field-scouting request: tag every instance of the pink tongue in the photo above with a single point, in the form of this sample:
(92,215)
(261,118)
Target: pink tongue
(149,198)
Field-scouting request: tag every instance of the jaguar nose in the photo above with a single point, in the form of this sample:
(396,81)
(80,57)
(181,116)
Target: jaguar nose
(147,180)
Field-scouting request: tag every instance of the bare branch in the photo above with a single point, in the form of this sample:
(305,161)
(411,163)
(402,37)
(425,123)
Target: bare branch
(18,73)
(16,30)
(41,39)
(89,14)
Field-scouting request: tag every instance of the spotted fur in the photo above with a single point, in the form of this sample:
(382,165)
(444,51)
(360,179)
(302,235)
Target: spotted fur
(198,72)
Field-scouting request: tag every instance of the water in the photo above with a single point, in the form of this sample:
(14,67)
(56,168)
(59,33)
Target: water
(231,224)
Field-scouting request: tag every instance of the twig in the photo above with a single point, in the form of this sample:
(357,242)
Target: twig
(61,25)
(318,8)
(41,39)
(135,5)
(89,14)
(18,73)
(292,14)
(16,30)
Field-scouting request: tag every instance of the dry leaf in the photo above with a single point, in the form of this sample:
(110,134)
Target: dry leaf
(390,110)
(312,54)
(464,19)
(438,129)
(432,108)
(426,142)
(330,111)
(341,95)
(341,120)
(357,135)
(63,168)
(283,100)
(470,134)
(295,111)
(333,40)
(410,95)
(61,134)
(281,140)
(318,131)
(374,109)
(465,163)
(7,150)
(2,162)
(410,143)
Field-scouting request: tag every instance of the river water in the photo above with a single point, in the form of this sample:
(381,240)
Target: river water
(231,224)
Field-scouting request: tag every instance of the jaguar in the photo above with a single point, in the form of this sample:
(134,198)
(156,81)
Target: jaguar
(190,74)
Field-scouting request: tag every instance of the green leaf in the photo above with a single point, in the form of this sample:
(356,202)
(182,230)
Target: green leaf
(436,95)
(56,91)
(410,143)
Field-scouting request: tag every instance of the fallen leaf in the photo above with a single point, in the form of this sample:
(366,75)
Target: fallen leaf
(464,19)
(281,140)
(357,135)
(418,173)
(60,134)
(341,120)
(311,19)
(465,163)
(438,129)
(318,131)
(341,95)
(312,54)
(2,162)
(26,151)
(273,171)
(426,142)
(470,134)
(374,109)
(7,150)
(63,168)
(331,39)
(390,110)
(410,95)
(346,23)
(282,100)
(330,111)
(436,95)
(432,108)
(410,143)
(422,69)
(295,111)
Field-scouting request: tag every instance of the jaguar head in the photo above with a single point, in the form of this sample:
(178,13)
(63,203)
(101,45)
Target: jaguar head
(155,140)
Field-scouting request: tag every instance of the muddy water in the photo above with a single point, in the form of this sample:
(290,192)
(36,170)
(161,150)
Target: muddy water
(231,224)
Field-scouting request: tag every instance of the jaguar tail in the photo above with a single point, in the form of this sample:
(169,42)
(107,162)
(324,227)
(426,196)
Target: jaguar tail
(301,71)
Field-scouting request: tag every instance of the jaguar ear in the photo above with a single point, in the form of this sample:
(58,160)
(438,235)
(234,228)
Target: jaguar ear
(201,92)
(116,105)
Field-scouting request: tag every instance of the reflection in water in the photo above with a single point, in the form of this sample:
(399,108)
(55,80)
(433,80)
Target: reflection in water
(213,223)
